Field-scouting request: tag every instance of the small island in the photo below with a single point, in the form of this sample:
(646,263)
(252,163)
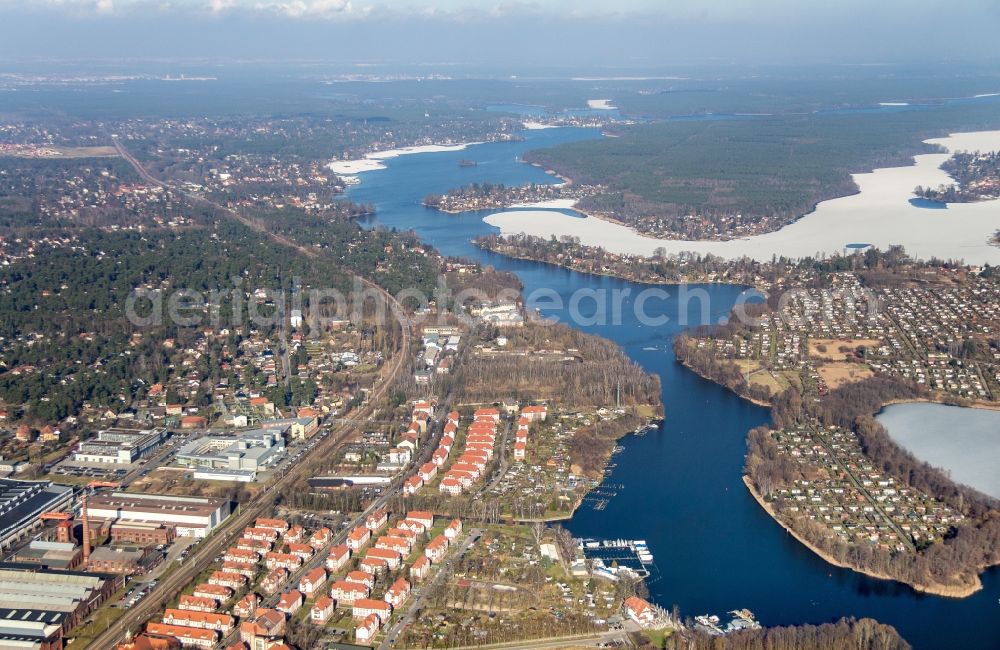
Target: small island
(489,196)
(977,178)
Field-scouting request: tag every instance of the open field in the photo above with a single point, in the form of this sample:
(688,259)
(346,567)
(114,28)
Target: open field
(35,151)
(839,373)
(778,382)
(831,348)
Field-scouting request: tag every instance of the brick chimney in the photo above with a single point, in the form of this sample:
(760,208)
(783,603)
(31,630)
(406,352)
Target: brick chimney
(86,531)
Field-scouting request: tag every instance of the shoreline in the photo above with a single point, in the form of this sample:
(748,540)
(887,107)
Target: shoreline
(579,502)
(947,591)
(934,590)
(756,402)
(829,227)
(545,204)
(617,276)
(373,161)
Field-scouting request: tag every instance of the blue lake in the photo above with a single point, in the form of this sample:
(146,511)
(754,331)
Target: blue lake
(962,441)
(715,549)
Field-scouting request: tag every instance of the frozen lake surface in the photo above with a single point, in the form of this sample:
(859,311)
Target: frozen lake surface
(880,214)
(963,441)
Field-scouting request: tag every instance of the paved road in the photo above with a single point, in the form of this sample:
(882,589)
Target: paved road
(416,601)
(504,463)
(205,553)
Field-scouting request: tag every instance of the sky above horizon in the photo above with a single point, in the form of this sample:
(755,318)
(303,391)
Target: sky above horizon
(562,32)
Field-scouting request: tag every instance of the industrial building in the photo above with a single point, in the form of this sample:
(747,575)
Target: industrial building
(22,502)
(189,516)
(51,554)
(119,446)
(235,457)
(39,606)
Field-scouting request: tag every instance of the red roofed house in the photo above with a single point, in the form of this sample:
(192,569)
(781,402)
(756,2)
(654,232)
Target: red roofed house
(424,407)
(453,530)
(273,581)
(247,570)
(639,610)
(426,518)
(421,568)
(274,560)
(399,544)
(534,413)
(295,535)
(373,565)
(312,582)
(377,519)
(454,484)
(302,551)
(196,604)
(414,526)
(519,450)
(450,485)
(491,414)
(440,456)
(321,610)
(188,636)
(468,468)
(360,577)
(213,591)
(224,579)
(412,485)
(345,592)
(390,557)
(339,555)
(290,602)
(321,538)
(364,607)
(246,606)
(406,534)
(202,620)
(436,548)
(358,538)
(427,472)
(367,629)
(258,545)
(241,555)
(397,594)
(261,533)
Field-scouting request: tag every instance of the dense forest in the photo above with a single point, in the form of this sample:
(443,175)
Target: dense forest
(717,178)
(845,634)
(64,308)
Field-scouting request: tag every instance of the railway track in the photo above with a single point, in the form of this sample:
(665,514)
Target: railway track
(206,552)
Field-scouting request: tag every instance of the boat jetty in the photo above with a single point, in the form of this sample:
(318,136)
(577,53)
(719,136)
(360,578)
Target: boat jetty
(739,619)
(610,557)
